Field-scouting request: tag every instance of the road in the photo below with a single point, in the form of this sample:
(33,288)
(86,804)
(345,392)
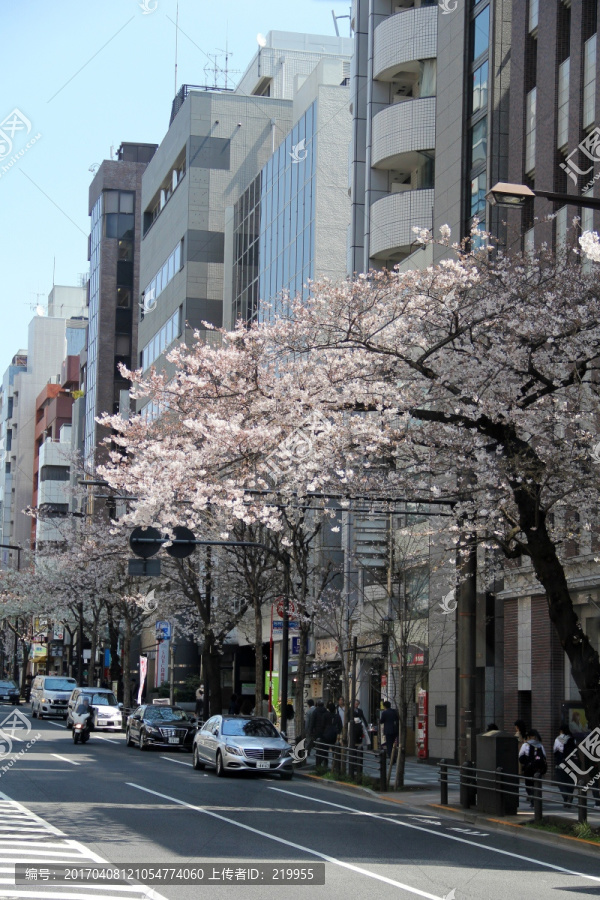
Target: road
(104,801)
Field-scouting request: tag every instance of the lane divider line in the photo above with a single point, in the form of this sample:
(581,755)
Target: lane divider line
(66,759)
(448,837)
(272,837)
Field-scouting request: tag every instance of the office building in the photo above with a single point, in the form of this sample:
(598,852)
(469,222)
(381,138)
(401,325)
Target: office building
(115,208)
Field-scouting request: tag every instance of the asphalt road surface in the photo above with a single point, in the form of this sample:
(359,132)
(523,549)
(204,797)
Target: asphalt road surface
(81,805)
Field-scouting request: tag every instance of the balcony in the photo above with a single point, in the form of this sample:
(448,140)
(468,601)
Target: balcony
(401,131)
(402,39)
(392,221)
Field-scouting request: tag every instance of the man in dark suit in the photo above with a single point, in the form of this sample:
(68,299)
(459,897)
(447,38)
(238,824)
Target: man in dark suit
(389,720)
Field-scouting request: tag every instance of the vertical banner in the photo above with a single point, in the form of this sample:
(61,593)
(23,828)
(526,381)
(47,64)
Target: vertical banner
(143,670)
(162,663)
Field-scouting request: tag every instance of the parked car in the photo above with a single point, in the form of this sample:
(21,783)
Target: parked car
(106,712)
(242,743)
(9,691)
(160,726)
(50,695)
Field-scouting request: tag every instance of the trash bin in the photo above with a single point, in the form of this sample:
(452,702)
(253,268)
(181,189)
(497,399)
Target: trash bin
(497,791)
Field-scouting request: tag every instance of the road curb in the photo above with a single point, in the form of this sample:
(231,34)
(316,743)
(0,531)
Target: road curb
(578,845)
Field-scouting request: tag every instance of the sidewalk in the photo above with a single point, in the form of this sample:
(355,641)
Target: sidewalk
(422,781)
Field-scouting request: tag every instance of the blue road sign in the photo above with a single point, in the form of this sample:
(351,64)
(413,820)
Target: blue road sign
(163,629)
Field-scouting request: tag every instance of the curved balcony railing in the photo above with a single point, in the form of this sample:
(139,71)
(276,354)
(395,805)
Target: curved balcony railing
(400,131)
(392,220)
(403,38)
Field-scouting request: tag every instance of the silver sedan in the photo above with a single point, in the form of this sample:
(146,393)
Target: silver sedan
(242,743)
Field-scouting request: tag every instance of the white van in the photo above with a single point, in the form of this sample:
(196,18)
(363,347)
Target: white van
(50,695)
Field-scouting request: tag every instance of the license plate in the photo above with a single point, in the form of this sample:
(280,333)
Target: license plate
(263,764)
(173,740)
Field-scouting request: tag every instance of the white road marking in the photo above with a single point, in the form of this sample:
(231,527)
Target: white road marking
(56,724)
(441,834)
(272,837)
(66,759)
(102,738)
(179,762)
(57,849)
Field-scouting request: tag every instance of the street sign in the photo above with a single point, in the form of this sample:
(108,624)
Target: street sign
(144,567)
(279,608)
(163,630)
(296,646)
(278,626)
(181,550)
(145,542)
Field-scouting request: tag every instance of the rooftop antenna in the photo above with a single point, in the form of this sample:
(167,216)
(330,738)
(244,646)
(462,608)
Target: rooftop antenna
(335,21)
(176,36)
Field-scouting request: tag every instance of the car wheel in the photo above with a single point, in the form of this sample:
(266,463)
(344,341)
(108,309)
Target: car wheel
(128,740)
(286,776)
(143,741)
(220,767)
(196,760)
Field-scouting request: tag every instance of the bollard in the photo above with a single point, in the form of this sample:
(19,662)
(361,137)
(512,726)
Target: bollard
(467,785)
(443,782)
(382,770)
(537,798)
(582,798)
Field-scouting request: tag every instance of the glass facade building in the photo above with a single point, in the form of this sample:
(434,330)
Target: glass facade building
(274,227)
(92,340)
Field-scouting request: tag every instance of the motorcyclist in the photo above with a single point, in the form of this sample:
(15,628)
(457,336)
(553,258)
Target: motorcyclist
(82,709)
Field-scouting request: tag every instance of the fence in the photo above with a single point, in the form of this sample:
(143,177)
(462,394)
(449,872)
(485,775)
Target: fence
(506,788)
(352,761)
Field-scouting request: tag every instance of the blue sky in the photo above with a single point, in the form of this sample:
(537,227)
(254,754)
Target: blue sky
(87,75)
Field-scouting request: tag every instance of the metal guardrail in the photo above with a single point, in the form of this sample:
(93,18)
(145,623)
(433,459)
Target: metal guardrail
(503,784)
(352,761)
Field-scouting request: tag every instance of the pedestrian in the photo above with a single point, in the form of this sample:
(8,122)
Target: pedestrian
(199,702)
(521,736)
(333,729)
(341,711)
(309,726)
(491,727)
(533,760)
(391,726)
(358,713)
(233,706)
(320,721)
(564,745)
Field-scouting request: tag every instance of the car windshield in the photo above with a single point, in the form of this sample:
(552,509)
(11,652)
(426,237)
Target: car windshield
(7,685)
(100,699)
(250,728)
(165,714)
(59,684)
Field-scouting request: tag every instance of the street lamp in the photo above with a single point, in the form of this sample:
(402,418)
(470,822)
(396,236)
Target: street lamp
(510,196)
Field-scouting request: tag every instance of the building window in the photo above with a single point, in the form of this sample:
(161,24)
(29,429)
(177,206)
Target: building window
(480,88)
(479,142)
(55,473)
(478,191)
(162,278)
(169,332)
(534,8)
(481,33)
(562,131)
(530,113)
(123,297)
(589,82)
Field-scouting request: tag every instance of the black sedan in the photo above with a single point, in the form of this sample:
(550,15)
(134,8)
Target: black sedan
(160,726)
(9,691)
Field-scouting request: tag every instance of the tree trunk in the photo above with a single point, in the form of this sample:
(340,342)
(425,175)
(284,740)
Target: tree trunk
(585,663)
(303,632)
(259,673)
(92,663)
(211,663)
(126,662)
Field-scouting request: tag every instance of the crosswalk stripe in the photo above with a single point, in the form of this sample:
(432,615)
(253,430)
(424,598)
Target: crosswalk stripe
(22,834)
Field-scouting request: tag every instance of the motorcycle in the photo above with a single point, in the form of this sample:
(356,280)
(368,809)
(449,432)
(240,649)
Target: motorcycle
(81,728)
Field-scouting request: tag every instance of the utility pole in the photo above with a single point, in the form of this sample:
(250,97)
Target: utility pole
(466,565)
(172,666)
(285,632)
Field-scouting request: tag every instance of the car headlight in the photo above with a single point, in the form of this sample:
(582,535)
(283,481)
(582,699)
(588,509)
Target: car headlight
(152,728)
(234,750)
